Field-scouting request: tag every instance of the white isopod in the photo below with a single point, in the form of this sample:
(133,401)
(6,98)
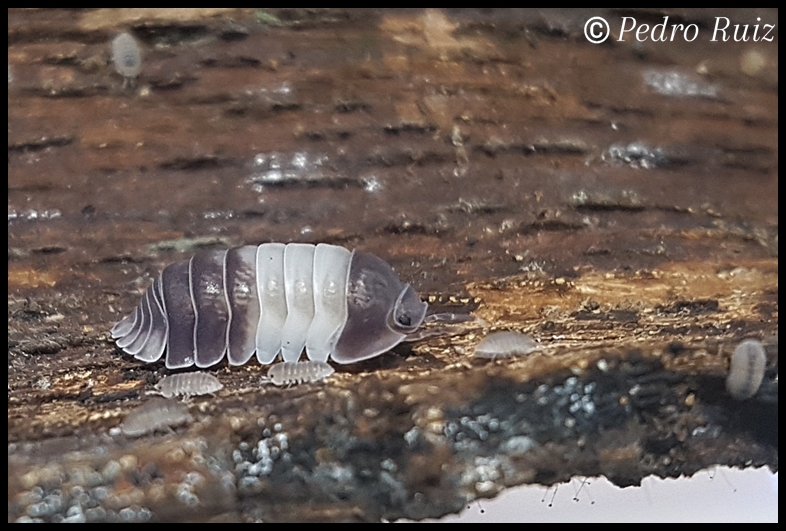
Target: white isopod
(156,414)
(504,345)
(127,58)
(288,373)
(271,299)
(188,384)
(746,370)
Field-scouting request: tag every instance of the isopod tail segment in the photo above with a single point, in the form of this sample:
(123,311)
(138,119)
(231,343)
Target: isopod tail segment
(271,299)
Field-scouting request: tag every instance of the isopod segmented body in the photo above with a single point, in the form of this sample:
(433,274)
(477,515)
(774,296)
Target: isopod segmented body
(155,415)
(127,57)
(287,373)
(188,384)
(270,299)
(746,370)
(504,345)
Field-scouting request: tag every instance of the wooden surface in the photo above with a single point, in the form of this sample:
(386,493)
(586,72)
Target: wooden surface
(617,202)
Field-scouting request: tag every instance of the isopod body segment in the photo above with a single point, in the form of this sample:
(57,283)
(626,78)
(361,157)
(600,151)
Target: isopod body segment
(271,299)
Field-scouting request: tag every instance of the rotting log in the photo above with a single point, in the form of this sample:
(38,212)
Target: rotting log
(420,436)
(500,163)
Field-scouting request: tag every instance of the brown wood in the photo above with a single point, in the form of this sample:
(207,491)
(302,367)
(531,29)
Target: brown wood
(618,202)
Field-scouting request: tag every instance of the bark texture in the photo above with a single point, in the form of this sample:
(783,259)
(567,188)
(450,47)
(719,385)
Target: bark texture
(617,202)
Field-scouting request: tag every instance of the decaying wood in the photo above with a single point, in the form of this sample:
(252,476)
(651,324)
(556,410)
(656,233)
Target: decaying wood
(618,203)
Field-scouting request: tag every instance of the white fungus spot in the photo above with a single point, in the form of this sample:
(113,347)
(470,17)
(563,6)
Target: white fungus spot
(371,184)
(292,373)
(127,57)
(505,345)
(676,84)
(188,384)
(746,371)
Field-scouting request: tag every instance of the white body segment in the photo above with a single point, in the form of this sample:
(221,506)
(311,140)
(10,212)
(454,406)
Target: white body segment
(330,301)
(271,299)
(299,292)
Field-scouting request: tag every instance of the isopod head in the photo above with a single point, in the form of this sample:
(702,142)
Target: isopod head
(381,310)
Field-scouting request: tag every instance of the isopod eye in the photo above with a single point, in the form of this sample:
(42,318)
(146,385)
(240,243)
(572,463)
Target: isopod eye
(408,312)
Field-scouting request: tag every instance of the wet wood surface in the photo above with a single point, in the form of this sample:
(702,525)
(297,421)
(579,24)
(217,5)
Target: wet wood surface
(617,202)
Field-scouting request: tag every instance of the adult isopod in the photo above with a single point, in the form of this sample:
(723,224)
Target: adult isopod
(270,299)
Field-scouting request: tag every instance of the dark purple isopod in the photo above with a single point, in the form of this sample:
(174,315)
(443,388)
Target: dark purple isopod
(269,299)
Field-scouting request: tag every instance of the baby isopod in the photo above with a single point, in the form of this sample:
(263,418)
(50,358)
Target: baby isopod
(288,373)
(271,299)
(188,384)
(746,371)
(157,414)
(127,58)
(504,345)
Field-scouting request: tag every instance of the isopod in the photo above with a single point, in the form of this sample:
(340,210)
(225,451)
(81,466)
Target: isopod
(288,373)
(157,414)
(746,370)
(270,299)
(188,384)
(504,345)
(127,57)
